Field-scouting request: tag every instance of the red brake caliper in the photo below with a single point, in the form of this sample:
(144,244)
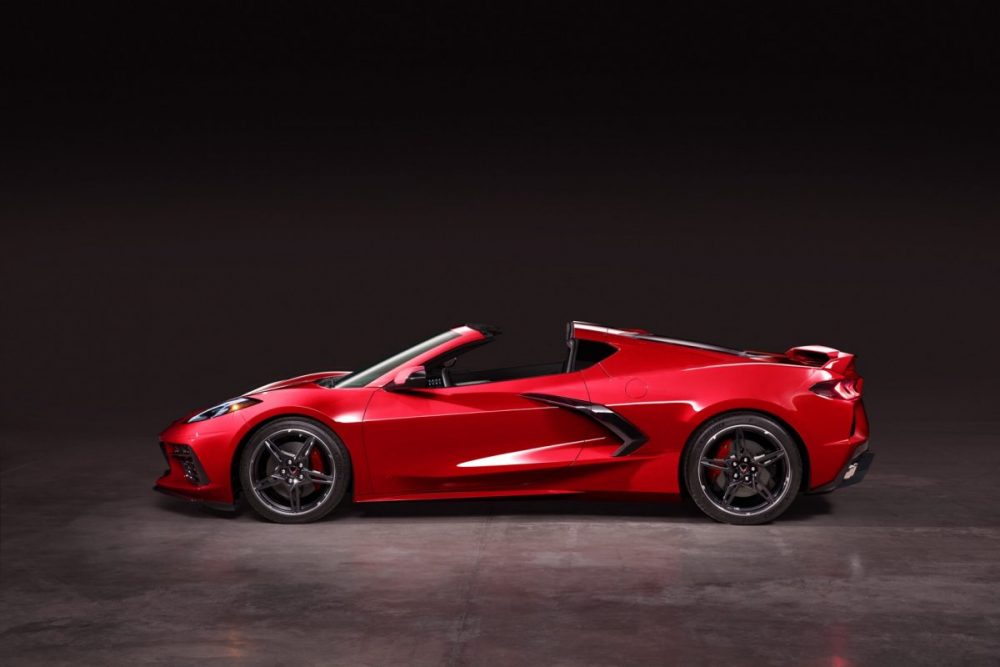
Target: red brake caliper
(722,453)
(316,463)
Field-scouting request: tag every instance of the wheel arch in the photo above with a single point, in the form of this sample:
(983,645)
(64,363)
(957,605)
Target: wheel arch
(234,464)
(710,418)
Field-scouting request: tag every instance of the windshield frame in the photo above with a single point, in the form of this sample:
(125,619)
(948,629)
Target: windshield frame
(366,377)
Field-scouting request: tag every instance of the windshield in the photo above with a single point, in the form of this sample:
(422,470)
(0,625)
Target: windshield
(361,378)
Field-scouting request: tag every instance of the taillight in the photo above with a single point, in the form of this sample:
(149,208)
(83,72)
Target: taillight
(846,389)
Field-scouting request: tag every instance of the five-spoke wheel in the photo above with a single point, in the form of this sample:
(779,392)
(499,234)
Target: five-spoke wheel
(294,471)
(743,468)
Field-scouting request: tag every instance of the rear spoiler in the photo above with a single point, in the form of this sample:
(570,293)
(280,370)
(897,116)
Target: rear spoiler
(823,357)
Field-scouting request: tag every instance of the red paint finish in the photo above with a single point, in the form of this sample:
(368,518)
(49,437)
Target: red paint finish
(488,439)
(474,438)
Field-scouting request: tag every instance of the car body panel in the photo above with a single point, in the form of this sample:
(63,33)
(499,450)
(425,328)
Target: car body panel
(478,437)
(490,439)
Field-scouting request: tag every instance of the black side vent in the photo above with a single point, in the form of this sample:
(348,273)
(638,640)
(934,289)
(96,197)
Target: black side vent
(629,434)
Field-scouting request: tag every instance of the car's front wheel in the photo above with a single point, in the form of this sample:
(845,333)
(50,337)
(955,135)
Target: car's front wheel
(294,471)
(743,469)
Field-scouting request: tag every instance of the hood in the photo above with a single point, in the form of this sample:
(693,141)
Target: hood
(298,381)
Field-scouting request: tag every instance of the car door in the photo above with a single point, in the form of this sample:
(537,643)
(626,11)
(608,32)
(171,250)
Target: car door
(475,438)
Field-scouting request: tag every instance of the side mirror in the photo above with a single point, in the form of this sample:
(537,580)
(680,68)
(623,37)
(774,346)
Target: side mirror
(411,377)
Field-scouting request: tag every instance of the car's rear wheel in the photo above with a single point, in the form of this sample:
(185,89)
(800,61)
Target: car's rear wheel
(294,471)
(743,469)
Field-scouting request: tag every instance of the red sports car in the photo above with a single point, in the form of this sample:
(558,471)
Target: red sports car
(624,413)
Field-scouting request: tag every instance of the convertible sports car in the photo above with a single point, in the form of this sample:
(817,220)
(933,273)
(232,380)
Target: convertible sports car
(625,413)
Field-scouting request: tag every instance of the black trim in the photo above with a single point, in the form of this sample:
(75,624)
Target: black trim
(486,329)
(573,344)
(224,507)
(630,435)
(863,458)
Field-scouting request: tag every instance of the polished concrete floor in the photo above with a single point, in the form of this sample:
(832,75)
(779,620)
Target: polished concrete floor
(902,569)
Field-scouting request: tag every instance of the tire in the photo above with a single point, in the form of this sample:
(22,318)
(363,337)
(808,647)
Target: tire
(742,469)
(294,470)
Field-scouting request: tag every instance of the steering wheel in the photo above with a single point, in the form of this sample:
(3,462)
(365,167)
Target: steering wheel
(446,374)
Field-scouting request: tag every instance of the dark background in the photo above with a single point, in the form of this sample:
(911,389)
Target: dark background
(197,200)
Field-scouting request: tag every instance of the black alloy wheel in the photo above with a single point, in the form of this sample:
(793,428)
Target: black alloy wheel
(743,469)
(294,471)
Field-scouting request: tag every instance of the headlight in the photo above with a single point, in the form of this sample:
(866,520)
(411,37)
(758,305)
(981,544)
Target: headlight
(232,405)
